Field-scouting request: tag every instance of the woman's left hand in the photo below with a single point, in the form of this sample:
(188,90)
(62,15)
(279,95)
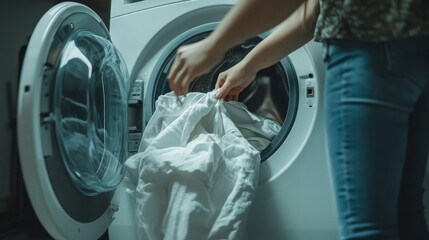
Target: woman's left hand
(233,81)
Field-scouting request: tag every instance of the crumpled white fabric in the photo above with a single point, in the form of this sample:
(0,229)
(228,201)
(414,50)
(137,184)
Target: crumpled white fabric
(197,168)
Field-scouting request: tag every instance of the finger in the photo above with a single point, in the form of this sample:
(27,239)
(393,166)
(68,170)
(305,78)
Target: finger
(174,81)
(184,84)
(220,80)
(224,90)
(234,97)
(178,82)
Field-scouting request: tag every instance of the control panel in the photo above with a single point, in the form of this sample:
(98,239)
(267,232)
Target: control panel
(135,116)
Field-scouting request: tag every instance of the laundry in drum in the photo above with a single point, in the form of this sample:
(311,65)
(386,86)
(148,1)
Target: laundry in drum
(196,171)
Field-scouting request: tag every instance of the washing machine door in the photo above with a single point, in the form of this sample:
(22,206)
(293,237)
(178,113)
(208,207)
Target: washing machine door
(72,122)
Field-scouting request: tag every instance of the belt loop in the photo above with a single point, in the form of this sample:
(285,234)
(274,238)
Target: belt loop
(326,50)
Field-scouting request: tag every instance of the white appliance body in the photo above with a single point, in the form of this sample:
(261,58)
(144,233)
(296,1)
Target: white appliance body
(294,199)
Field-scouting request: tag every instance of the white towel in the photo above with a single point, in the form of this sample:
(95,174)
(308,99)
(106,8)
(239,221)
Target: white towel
(197,169)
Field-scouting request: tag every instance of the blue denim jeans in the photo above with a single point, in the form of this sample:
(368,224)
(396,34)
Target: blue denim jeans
(377,117)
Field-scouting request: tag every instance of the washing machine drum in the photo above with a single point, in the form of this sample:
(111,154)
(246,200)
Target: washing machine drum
(273,93)
(267,95)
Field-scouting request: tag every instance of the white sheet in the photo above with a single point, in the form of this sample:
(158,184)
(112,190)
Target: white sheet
(197,168)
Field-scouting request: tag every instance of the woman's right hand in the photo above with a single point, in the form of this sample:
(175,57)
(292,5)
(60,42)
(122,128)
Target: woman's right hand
(192,61)
(234,80)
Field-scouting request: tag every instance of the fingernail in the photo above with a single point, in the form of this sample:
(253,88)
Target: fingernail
(218,95)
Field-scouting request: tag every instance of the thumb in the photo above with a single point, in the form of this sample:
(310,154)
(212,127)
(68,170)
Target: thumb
(224,90)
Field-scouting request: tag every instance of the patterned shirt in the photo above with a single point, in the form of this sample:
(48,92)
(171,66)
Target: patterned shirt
(372,20)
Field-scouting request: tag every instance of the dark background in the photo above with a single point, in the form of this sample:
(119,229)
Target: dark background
(17,21)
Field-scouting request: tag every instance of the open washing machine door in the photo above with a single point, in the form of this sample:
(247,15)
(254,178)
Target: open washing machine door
(72,122)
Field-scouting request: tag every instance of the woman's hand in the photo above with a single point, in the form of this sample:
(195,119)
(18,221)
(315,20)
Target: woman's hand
(192,61)
(234,80)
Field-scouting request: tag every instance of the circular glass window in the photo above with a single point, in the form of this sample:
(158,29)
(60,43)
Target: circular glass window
(90,106)
(273,93)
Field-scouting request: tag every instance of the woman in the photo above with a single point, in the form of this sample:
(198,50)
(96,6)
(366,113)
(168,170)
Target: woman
(377,97)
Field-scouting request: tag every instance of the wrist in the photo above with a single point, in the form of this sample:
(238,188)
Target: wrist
(250,66)
(216,45)
(245,69)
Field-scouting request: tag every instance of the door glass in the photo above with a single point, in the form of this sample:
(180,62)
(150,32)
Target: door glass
(90,105)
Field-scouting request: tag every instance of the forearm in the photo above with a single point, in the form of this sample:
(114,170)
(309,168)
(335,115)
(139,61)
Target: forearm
(249,18)
(291,34)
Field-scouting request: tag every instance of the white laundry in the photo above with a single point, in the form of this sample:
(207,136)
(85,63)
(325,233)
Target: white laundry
(197,169)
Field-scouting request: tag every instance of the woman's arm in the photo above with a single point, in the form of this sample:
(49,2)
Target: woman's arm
(289,35)
(249,18)
(246,19)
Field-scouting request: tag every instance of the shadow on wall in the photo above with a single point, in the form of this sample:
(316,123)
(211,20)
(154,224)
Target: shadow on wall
(102,8)
(18,20)
(426,194)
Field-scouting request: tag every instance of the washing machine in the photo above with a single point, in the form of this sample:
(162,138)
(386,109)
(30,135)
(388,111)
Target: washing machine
(294,199)
(86,94)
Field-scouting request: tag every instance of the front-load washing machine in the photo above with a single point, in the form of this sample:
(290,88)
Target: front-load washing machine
(86,94)
(294,199)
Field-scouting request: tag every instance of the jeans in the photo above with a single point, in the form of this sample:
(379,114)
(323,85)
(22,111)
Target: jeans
(377,119)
